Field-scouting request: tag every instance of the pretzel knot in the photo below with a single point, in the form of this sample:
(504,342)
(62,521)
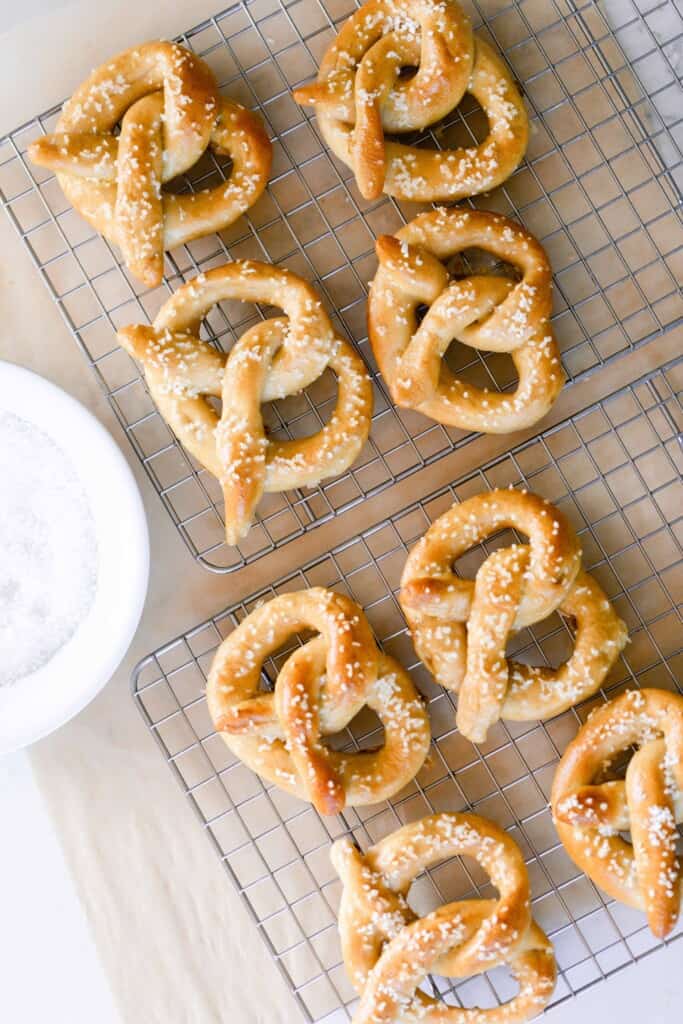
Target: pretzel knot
(273,359)
(648,802)
(167,104)
(388,950)
(461,627)
(488,312)
(400,66)
(319,689)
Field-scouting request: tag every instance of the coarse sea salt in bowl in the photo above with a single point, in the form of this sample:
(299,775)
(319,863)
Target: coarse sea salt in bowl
(75,557)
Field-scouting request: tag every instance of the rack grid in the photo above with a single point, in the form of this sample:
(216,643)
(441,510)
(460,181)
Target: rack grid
(615,471)
(598,188)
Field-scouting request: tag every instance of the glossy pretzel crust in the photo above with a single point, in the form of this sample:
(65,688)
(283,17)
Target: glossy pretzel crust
(589,814)
(487,312)
(460,627)
(167,103)
(273,359)
(388,950)
(318,690)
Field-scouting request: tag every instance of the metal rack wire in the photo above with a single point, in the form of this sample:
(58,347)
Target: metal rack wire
(598,188)
(615,471)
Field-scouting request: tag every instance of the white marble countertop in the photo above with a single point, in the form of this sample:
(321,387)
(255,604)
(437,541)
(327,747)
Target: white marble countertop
(94,928)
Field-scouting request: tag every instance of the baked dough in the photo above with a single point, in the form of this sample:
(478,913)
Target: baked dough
(167,104)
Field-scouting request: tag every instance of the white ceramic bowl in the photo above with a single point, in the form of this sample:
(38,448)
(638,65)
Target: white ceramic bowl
(41,702)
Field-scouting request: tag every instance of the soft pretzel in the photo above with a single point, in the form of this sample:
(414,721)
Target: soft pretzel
(589,813)
(361,93)
(271,360)
(460,627)
(487,312)
(318,690)
(167,104)
(388,950)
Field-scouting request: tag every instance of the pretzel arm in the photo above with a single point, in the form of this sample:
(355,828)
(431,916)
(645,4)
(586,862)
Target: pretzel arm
(138,208)
(654,835)
(240,436)
(374,81)
(83,154)
(250,716)
(296,702)
(497,593)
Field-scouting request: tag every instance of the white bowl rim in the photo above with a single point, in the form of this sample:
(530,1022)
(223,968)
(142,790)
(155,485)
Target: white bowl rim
(37,705)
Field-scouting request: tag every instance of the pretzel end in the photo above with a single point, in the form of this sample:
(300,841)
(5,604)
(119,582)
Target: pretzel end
(416,270)
(595,806)
(149,270)
(134,339)
(329,800)
(387,247)
(237,527)
(309,95)
(42,151)
(248,717)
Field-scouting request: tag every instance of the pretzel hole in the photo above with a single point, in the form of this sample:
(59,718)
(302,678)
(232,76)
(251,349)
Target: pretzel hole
(212,168)
(274,662)
(492,370)
(464,127)
(364,732)
(303,414)
(457,878)
(474,260)
(468,563)
(549,642)
(407,72)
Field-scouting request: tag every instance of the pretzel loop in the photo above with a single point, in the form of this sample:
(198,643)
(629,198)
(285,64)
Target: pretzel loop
(167,103)
(645,874)
(488,312)
(359,87)
(273,359)
(319,689)
(388,950)
(461,627)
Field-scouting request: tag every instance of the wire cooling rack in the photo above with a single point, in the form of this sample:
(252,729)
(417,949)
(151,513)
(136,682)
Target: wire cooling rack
(615,471)
(598,188)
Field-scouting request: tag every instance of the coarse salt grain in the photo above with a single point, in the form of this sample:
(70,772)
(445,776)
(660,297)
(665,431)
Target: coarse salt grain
(48,573)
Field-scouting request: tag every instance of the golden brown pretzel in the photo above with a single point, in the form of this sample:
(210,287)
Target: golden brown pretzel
(271,360)
(388,951)
(590,814)
(319,689)
(488,312)
(460,627)
(167,103)
(360,94)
